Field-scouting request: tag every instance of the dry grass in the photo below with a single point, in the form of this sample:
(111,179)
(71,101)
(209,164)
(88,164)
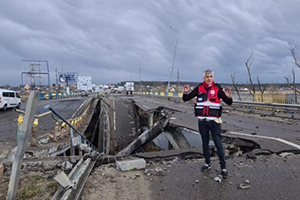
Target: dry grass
(30,187)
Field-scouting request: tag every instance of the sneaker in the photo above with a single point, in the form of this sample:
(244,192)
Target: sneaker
(224,173)
(205,167)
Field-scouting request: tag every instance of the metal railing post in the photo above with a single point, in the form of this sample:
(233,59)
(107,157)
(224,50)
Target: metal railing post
(25,132)
(72,147)
(34,132)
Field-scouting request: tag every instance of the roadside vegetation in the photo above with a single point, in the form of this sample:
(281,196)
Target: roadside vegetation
(34,187)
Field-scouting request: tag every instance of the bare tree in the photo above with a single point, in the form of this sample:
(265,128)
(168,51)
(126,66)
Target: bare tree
(272,87)
(234,85)
(248,64)
(293,47)
(293,85)
(262,89)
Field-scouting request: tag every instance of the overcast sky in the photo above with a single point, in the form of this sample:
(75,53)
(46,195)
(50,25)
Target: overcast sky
(109,40)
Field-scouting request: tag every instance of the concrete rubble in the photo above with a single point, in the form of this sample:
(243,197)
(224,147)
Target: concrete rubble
(286,154)
(128,165)
(218,179)
(157,171)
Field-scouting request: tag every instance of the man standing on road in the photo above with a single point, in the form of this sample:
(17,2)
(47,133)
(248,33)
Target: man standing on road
(208,109)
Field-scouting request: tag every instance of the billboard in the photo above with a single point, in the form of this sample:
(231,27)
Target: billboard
(70,77)
(84,83)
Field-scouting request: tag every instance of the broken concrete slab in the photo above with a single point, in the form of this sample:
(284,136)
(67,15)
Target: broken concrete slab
(128,165)
(171,140)
(195,152)
(179,137)
(275,145)
(145,136)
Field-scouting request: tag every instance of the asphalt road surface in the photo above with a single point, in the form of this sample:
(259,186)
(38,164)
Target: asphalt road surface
(268,177)
(125,121)
(66,107)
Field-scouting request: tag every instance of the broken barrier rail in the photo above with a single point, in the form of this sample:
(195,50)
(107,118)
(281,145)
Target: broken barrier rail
(72,128)
(33,141)
(82,169)
(61,129)
(27,127)
(72,185)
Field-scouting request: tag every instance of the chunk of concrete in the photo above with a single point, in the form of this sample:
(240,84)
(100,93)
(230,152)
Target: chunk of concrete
(67,165)
(128,165)
(157,171)
(286,154)
(244,186)
(218,179)
(251,155)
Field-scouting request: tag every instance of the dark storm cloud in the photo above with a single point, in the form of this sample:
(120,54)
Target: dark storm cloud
(109,40)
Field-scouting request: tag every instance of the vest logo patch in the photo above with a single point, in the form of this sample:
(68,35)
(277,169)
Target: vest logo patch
(212,93)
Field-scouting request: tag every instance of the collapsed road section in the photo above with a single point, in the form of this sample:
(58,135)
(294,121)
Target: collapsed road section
(158,122)
(116,128)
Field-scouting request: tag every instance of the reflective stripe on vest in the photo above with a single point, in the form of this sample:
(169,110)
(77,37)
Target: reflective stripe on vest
(208,103)
(207,118)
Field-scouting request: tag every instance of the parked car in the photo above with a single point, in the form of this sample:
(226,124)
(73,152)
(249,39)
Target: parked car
(9,99)
(84,94)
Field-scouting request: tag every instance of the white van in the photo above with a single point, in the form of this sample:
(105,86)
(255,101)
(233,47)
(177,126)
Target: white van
(9,99)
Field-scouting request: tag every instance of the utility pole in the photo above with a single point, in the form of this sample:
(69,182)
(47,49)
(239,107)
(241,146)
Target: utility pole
(172,68)
(140,76)
(56,74)
(178,78)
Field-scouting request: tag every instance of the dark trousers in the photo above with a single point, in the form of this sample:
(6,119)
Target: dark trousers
(215,128)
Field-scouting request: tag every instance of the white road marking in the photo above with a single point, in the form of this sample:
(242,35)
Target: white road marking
(146,107)
(130,117)
(266,137)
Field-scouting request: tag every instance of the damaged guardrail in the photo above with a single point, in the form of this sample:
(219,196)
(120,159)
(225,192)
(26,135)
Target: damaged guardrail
(33,141)
(72,185)
(270,107)
(73,140)
(61,129)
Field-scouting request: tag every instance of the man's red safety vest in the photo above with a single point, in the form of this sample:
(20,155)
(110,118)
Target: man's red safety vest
(208,104)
